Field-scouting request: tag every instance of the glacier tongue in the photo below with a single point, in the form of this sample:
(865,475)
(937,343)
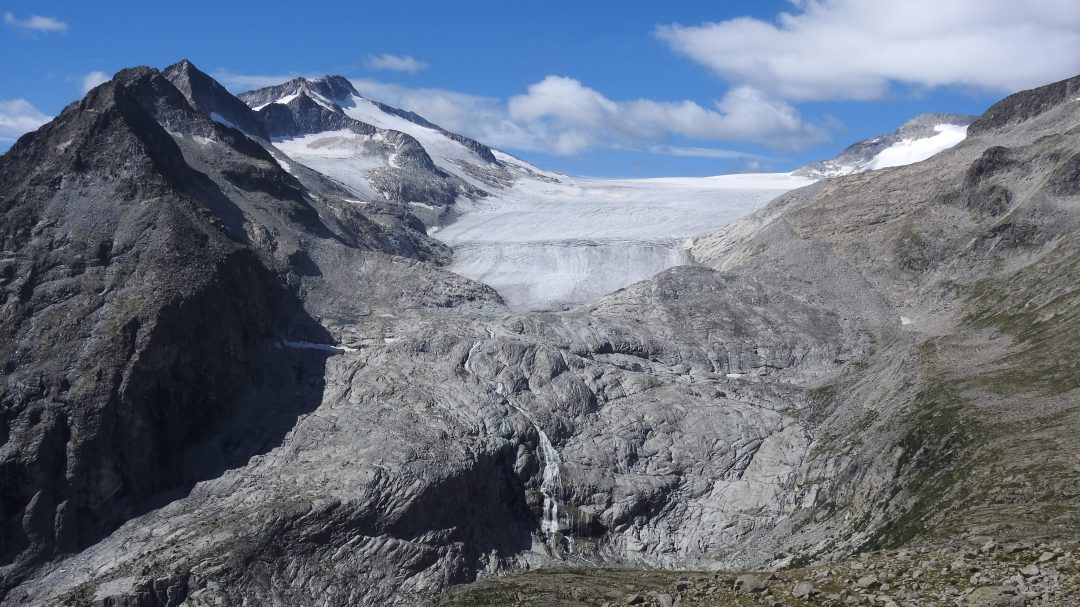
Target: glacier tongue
(545,244)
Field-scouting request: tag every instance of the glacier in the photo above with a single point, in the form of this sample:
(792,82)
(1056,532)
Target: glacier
(558,243)
(543,240)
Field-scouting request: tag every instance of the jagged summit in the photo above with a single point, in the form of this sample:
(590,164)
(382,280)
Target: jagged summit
(375,150)
(329,90)
(208,96)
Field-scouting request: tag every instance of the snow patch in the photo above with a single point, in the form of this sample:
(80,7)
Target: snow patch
(342,155)
(910,151)
(283,101)
(218,118)
(307,345)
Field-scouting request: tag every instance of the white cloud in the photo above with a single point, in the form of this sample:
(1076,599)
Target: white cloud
(698,152)
(18,116)
(93,79)
(854,49)
(562,116)
(583,117)
(35,23)
(396,63)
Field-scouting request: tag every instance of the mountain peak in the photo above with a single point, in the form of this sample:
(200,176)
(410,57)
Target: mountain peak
(208,96)
(331,89)
(335,87)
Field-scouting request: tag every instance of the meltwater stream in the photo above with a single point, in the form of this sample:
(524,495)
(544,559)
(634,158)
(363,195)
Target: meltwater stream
(550,485)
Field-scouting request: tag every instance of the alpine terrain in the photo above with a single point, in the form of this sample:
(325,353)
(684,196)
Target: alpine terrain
(299,347)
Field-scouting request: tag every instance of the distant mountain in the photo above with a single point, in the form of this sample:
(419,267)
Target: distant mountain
(915,140)
(377,151)
(542,239)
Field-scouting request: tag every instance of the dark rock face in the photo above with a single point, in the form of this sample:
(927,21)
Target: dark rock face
(1025,105)
(210,98)
(133,325)
(141,310)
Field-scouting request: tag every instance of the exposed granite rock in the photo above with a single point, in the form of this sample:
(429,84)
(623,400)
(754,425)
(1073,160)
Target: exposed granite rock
(210,98)
(1025,105)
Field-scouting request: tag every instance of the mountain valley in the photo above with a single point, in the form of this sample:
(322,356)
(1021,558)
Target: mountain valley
(299,347)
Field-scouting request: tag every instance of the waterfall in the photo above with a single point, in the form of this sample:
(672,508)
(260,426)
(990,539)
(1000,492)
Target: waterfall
(550,484)
(550,476)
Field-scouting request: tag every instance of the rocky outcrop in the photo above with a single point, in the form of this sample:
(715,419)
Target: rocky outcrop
(859,155)
(1025,105)
(407,174)
(211,99)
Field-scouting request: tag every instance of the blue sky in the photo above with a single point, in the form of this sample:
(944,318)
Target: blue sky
(588,88)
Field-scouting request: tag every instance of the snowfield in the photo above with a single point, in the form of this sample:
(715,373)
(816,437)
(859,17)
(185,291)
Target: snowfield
(548,245)
(910,151)
(548,241)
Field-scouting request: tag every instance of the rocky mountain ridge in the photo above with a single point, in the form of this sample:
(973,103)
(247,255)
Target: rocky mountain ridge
(915,140)
(328,116)
(280,395)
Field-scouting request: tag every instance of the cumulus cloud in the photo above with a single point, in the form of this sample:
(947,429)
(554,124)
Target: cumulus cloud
(18,116)
(93,79)
(35,23)
(855,49)
(563,116)
(396,63)
(585,118)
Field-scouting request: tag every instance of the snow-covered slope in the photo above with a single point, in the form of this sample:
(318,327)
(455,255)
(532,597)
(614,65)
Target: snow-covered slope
(910,151)
(543,240)
(916,140)
(551,243)
(377,151)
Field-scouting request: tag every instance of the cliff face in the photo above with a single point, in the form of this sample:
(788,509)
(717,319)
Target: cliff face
(226,382)
(133,326)
(143,305)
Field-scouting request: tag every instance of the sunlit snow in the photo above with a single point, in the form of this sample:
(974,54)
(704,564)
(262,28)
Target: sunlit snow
(548,241)
(545,245)
(342,155)
(909,151)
